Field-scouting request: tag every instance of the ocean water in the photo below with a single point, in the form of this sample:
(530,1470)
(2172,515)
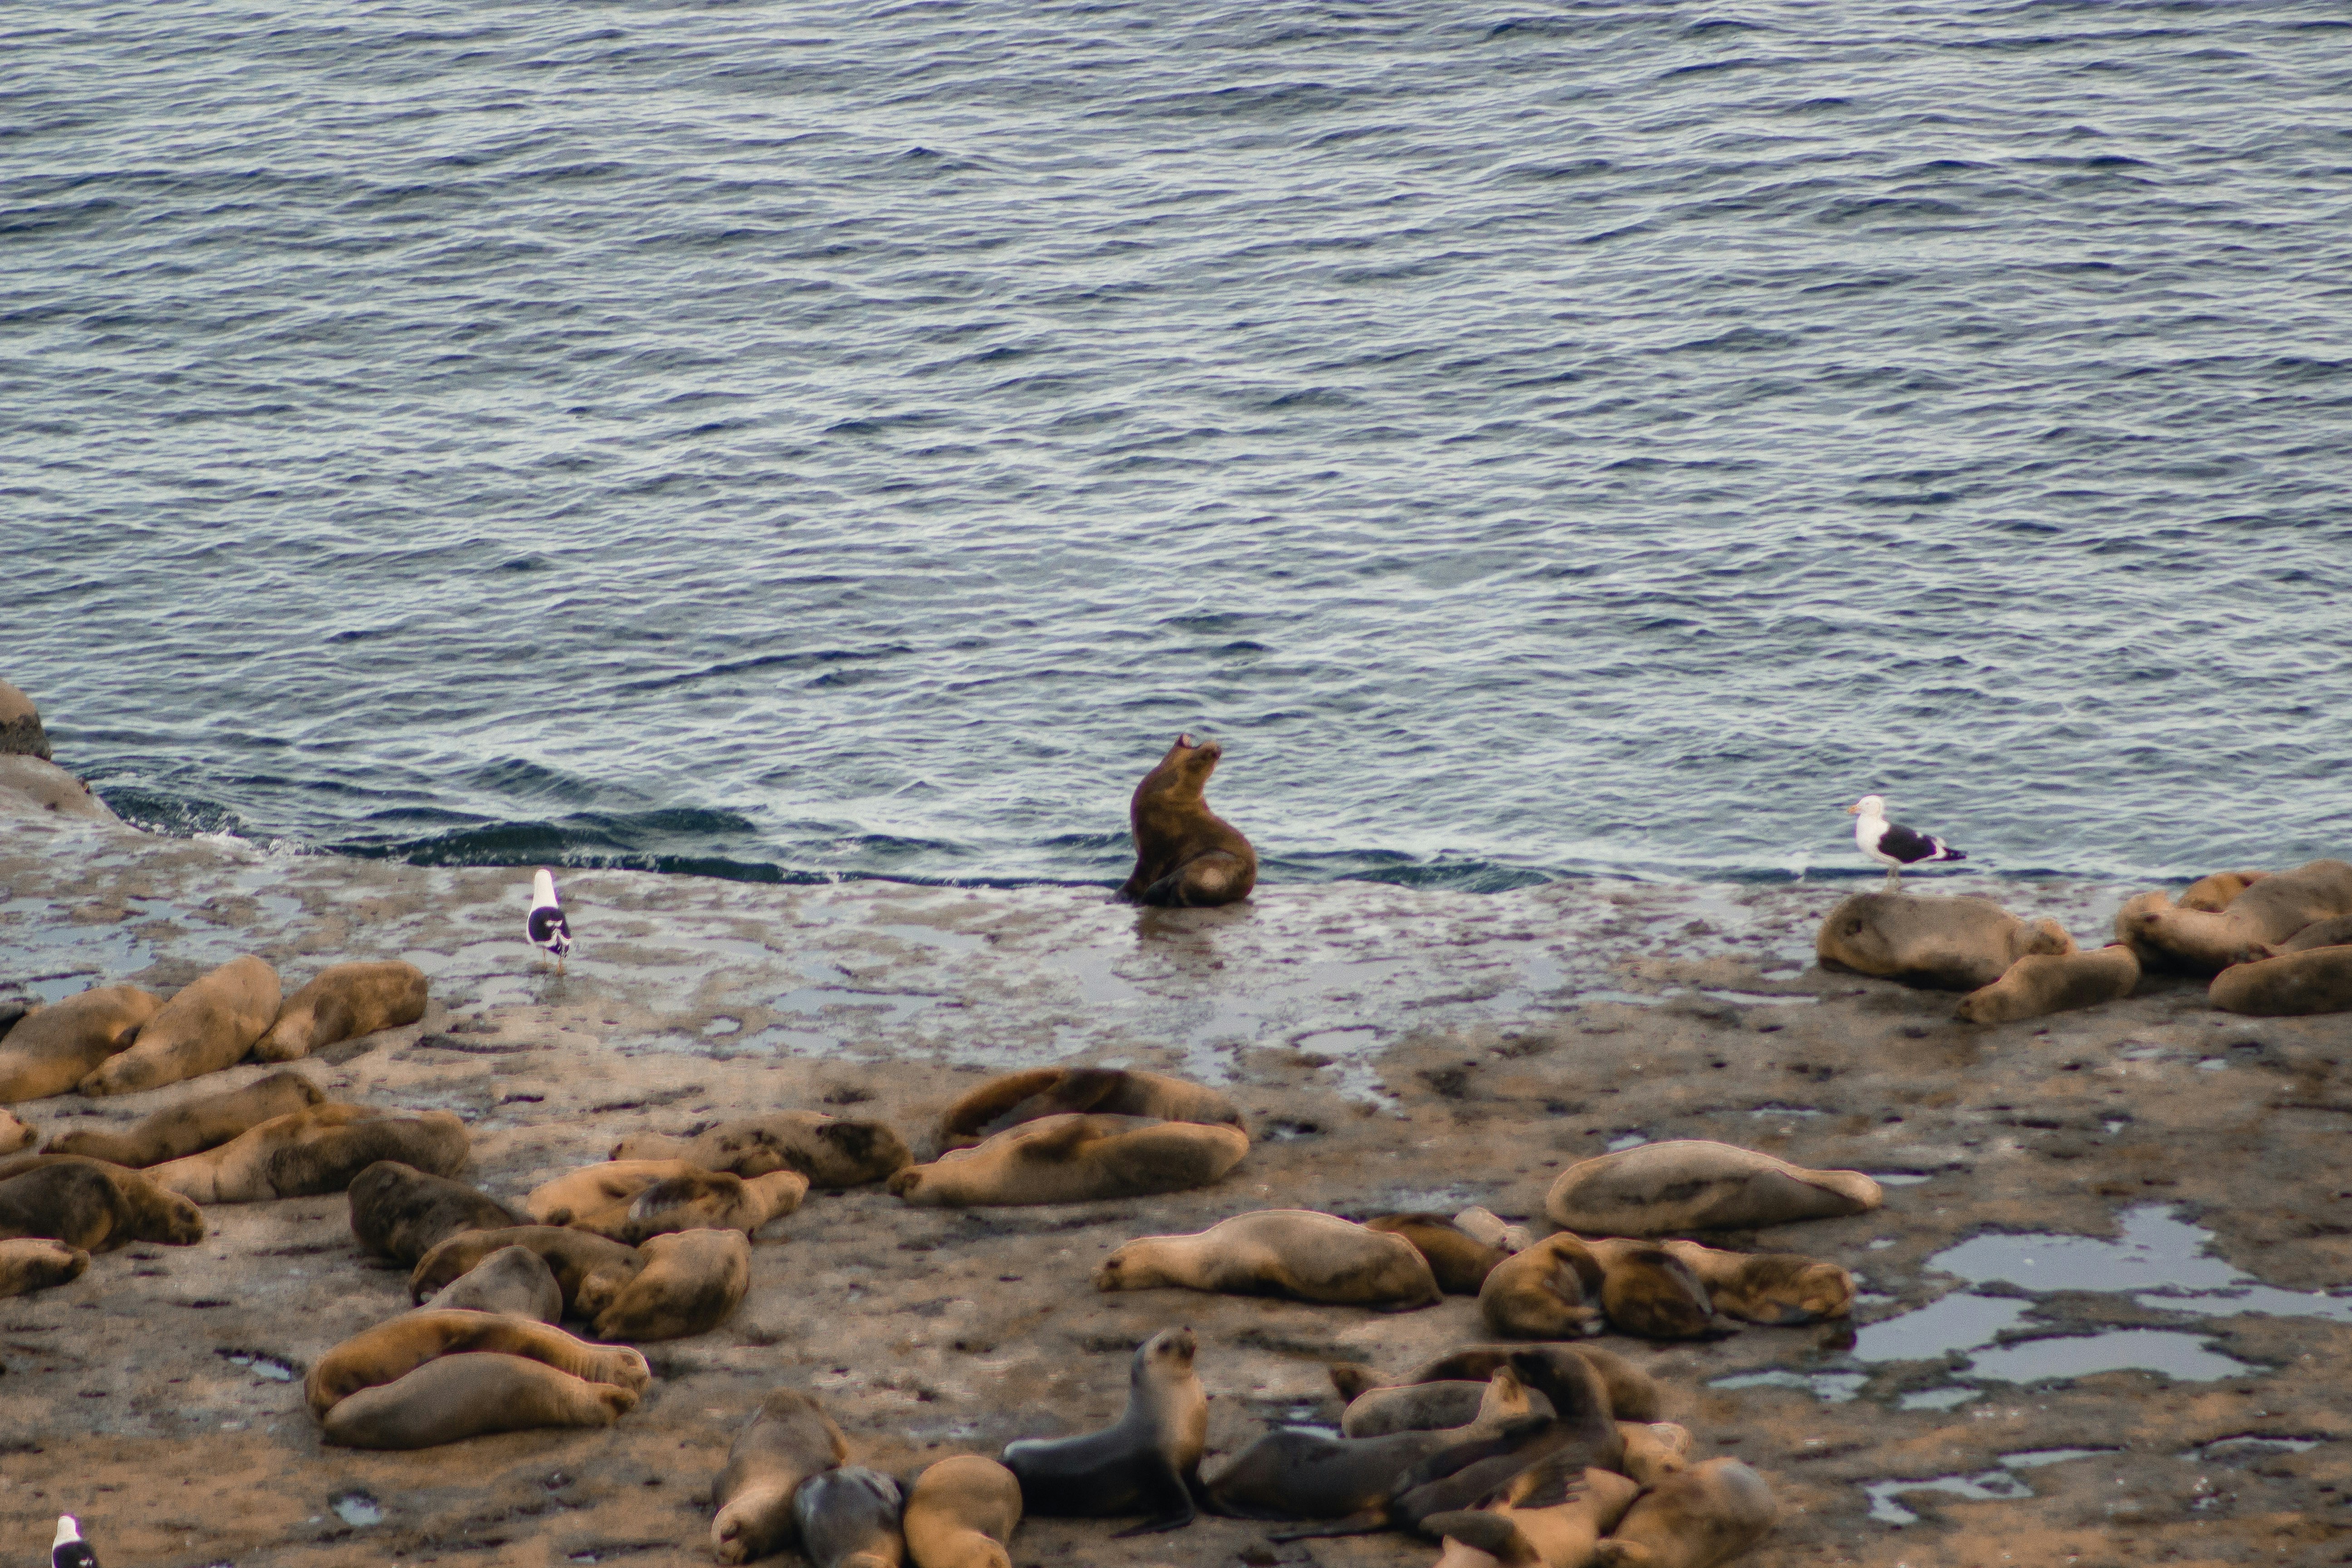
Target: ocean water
(813,439)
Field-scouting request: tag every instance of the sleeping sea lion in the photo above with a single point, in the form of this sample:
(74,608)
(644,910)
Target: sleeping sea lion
(1696,1185)
(589,1269)
(2294,984)
(92,1205)
(55,1047)
(194,1125)
(1648,1291)
(1703,1516)
(1551,1515)
(789,1438)
(315,1151)
(692,1279)
(399,1211)
(1460,1261)
(2038,984)
(830,1150)
(600,1194)
(848,1518)
(1654,1449)
(960,1513)
(460,1396)
(1298,1253)
(399,1345)
(1779,1287)
(2169,939)
(33,1263)
(1015,1098)
(1946,944)
(1483,1224)
(1074,1159)
(513,1279)
(706,1200)
(1550,1291)
(1557,1372)
(16,1134)
(1186,856)
(344,1002)
(2213,893)
(1147,1462)
(208,1025)
(1411,1407)
(2335,933)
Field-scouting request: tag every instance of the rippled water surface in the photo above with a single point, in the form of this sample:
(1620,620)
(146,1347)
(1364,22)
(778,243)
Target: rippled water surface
(855,438)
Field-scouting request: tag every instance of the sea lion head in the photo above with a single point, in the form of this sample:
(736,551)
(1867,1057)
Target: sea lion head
(1189,762)
(1166,1354)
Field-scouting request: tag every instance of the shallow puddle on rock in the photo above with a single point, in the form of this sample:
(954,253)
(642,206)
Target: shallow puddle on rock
(1624,1141)
(357,1508)
(1999,1485)
(1937,1398)
(1898,1178)
(2181,1356)
(1829,1387)
(1960,1321)
(2249,1445)
(2159,1253)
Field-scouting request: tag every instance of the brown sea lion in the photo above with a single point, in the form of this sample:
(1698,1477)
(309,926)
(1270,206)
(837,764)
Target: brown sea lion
(1654,1449)
(1411,1407)
(207,1025)
(1146,1462)
(398,1345)
(513,1279)
(194,1125)
(1015,1098)
(55,1047)
(1945,944)
(1556,1371)
(399,1211)
(830,1150)
(20,726)
(459,1396)
(1706,1515)
(692,1279)
(790,1438)
(600,1194)
(961,1512)
(705,1200)
(1460,1261)
(92,1205)
(2039,983)
(589,1269)
(315,1151)
(2295,985)
(1485,1225)
(33,1263)
(1551,1515)
(1777,1287)
(344,1002)
(14,1010)
(1655,1189)
(1298,1253)
(1649,1291)
(1550,1291)
(1186,856)
(2335,933)
(2213,893)
(847,1517)
(1074,1159)
(16,1134)
(2193,942)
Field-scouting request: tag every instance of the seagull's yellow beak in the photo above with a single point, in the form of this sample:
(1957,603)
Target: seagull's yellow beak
(1853,810)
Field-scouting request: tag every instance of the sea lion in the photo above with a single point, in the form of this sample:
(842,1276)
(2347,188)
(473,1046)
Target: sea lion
(14,1010)
(55,1047)
(460,1396)
(1186,856)
(692,1279)
(1297,1253)
(589,1269)
(1147,1462)
(1701,1517)
(705,1200)
(960,1513)
(2316,980)
(1654,1449)
(92,1205)
(601,1192)
(1015,1098)
(788,1440)
(16,1134)
(31,1263)
(848,1518)
(830,1150)
(513,1279)
(344,1002)
(1551,1515)
(1460,1261)
(1557,1372)
(1784,1289)
(399,1345)
(1551,1290)
(1650,1291)
(315,1151)
(2040,984)
(399,1211)
(2193,942)
(20,726)
(1945,944)
(1483,1224)
(2213,893)
(207,1025)
(194,1125)
(2335,933)
(1074,1159)
(1652,1189)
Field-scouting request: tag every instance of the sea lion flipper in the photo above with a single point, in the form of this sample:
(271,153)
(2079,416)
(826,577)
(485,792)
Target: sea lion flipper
(1490,1532)
(1553,1482)
(1165,1492)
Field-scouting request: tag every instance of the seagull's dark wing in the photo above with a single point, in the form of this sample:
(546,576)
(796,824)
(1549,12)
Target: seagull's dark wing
(1904,845)
(545,922)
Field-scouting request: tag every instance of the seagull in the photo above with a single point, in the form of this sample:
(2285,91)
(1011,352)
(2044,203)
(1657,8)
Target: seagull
(1891,843)
(546,926)
(69,1549)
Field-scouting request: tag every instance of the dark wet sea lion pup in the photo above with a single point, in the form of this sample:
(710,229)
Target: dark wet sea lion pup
(90,1205)
(399,1211)
(1147,1462)
(789,1439)
(848,1518)
(1186,856)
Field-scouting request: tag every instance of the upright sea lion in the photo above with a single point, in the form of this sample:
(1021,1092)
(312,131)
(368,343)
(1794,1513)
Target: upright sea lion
(961,1512)
(92,1205)
(790,1438)
(706,1200)
(1557,1372)
(344,1002)
(1650,1291)
(2039,983)
(1460,1261)
(2213,893)
(460,1396)
(2294,984)
(399,1211)
(1297,1253)
(1783,1288)
(55,1047)
(1655,1189)
(1946,944)
(398,1345)
(1147,1462)
(1015,1098)
(692,1279)
(513,1279)
(194,1125)
(2194,941)
(1076,1160)
(589,1269)
(16,1134)
(1550,1290)
(848,1518)
(1551,1515)
(1186,856)
(208,1025)
(830,1150)
(1701,1517)
(315,1151)
(33,1263)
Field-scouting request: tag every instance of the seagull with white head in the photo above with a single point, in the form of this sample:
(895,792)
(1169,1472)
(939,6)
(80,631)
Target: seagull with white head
(545,925)
(69,1549)
(1891,843)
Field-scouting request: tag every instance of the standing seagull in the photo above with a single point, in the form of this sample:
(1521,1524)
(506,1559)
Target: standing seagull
(546,926)
(69,1549)
(1891,843)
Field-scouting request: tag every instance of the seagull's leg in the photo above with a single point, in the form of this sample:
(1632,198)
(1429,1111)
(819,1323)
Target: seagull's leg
(1894,879)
